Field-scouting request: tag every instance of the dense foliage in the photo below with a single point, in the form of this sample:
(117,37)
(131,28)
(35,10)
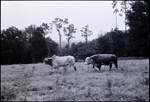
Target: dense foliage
(31,46)
(138,21)
(106,44)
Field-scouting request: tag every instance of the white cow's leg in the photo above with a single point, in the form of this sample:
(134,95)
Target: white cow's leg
(65,68)
(74,66)
(55,66)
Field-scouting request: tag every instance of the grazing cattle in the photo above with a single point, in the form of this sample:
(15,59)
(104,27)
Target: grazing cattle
(102,59)
(58,61)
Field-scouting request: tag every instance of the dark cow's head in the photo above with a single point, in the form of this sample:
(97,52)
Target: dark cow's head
(88,61)
(48,61)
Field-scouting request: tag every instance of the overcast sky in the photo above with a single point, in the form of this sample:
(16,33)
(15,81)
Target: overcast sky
(97,14)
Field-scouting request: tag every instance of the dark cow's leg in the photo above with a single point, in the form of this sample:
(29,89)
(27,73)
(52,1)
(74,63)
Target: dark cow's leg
(110,65)
(116,65)
(115,62)
(93,66)
(99,66)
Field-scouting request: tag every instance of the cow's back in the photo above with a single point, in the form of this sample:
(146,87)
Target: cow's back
(63,60)
(103,58)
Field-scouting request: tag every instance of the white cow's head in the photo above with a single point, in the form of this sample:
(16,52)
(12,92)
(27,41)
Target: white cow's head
(48,61)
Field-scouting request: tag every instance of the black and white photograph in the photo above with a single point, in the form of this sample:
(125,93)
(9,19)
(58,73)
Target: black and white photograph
(75,50)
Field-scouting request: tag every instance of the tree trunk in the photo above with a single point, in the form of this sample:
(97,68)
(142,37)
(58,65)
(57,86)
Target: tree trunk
(116,20)
(125,17)
(59,41)
(68,45)
(116,42)
(125,28)
(86,39)
(60,44)
(116,36)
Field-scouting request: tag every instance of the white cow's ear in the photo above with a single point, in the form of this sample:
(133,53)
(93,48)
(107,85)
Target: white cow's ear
(53,57)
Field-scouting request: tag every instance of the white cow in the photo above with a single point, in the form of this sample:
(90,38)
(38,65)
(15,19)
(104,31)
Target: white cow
(58,61)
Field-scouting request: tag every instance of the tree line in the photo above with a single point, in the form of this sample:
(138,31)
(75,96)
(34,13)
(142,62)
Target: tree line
(25,46)
(31,45)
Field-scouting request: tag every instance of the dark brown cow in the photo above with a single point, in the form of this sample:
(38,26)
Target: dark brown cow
(102,59)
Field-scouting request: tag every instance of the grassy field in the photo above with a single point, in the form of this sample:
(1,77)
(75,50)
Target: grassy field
(39,82)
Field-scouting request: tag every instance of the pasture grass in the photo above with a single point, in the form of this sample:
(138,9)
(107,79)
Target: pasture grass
(39,82)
